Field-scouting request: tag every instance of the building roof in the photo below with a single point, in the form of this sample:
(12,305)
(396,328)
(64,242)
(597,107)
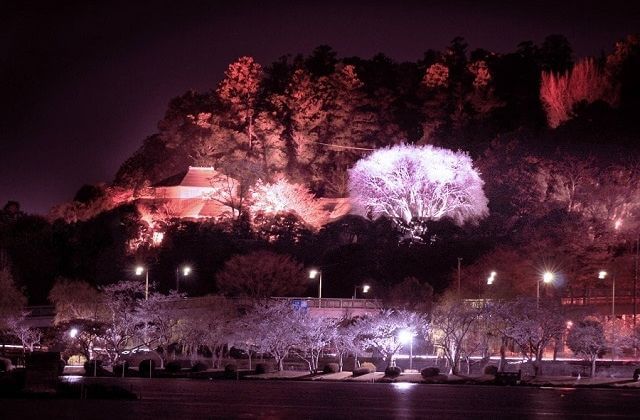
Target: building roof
(195,176)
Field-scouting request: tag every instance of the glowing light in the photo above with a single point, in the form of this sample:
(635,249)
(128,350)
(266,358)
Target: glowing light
(186,270)
(617,224)
(403,386)
(569,324)
(405,336)
(139,270)
(73,332)
(547,277)
(313,273)
(365,288)
(602,274)
(157,238)
(492,278)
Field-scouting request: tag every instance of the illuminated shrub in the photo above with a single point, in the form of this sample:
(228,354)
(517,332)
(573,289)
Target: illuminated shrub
(360,371)
(370,366)
(436,76)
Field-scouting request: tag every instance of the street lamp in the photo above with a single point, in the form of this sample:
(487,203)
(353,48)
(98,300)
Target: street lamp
(405,337)
(73,332)
(492,278)
(139,270)
(186,270)
(602,275)
(547,277)
(313,273)
(365,288)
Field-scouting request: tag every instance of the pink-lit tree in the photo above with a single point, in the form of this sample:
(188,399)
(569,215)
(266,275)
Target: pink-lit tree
(239,91)
(414,184)
(559,93)
(283,196)
(261,274)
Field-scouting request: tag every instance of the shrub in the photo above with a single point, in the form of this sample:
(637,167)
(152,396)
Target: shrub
(5,364)
(370,366)
(231,371)
(199,367)
(491,370)
(392,371)
(331,368)
(430,372)
(360,371)
(146,368)
(172,367)
(263,368)
(636,374)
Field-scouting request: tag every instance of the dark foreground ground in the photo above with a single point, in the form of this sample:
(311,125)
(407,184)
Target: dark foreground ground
(192,399)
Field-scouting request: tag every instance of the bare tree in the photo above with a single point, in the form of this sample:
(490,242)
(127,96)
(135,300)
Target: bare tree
(29,337)
(74,300)
(275,332)
(12,300)
(121,301)
(345,339)
(159,319)
(313,335)
(586,339)
(531,327)
(452,326)
(382,331)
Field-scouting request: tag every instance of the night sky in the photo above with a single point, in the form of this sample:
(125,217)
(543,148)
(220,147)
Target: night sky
(83,83)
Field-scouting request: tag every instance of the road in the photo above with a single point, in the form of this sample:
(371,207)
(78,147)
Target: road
(194,399)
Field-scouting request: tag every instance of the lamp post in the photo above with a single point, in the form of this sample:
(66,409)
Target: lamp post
(602,275)
(186,270)
(405,337)
(139,270)
(313,273)
(459,261)
(365,288)
(547,277)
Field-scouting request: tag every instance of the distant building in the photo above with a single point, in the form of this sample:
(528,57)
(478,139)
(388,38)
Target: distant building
(201,193)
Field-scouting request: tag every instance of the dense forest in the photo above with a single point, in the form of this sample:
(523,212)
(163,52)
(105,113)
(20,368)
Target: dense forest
(554,137)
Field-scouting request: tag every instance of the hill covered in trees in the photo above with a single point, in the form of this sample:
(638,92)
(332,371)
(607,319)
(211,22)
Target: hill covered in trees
(554,138)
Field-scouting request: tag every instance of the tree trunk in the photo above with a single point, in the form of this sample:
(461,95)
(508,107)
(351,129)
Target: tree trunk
(593,366)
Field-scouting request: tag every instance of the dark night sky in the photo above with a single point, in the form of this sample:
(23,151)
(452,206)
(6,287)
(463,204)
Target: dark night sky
(83,83)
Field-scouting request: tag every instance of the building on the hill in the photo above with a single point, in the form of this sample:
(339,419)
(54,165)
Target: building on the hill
(204,193)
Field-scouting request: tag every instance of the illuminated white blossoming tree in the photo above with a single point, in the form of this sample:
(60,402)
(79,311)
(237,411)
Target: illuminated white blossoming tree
(415,184)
